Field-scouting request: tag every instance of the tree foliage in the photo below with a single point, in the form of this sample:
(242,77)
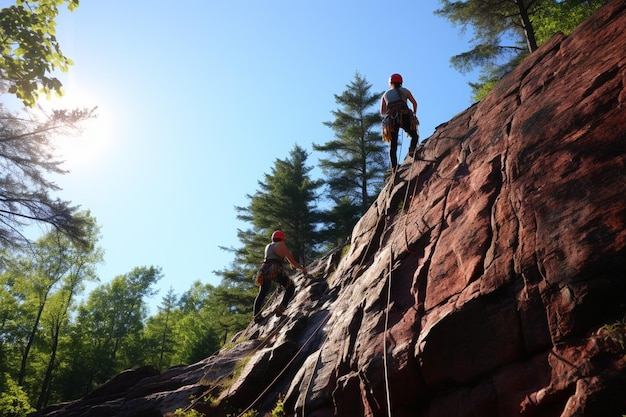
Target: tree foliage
(286,201)
(505,32)
(356,159)
(26,160)
(39,287)
(29,55)
(81,260)
(13,400)
(563,16)
(30,52)
(159,332)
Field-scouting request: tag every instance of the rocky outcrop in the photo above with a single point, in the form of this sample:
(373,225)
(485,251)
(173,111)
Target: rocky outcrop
(488,279)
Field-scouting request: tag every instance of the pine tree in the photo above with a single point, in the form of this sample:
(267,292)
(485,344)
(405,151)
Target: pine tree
(26,156)
(159,334)
(284,201)
(505,32)
(356,160)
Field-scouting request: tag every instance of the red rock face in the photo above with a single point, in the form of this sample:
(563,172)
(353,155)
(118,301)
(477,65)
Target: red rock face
(505,250)
(478,284)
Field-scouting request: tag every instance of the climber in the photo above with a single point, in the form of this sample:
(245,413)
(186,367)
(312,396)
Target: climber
(396,114)
(272,270)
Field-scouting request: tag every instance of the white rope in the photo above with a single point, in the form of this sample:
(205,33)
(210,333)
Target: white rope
(386,365)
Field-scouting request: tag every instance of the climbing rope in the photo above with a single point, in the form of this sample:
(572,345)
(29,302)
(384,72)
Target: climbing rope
(216,383)
(404,205)
(385,364)
(412,189)
(360,264)
(319,352)
(319,326)
(308,385)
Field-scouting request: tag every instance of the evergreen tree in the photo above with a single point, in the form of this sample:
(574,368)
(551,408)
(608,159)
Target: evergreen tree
(186,330)
(232,301)
(356,160)
(284,201)
(200,323)
(505,32)
(26,155)
(159,333)
(234,297)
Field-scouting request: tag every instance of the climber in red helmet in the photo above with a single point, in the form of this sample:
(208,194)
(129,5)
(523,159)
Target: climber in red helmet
(272,270)
(396,114)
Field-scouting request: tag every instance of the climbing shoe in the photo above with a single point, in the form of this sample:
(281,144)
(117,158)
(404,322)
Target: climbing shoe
(280,310)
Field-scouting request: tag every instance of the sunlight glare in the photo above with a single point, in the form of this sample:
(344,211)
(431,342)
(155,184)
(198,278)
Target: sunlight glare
(90,144)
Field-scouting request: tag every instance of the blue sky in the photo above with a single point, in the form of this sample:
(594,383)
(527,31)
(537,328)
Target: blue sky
(196,101)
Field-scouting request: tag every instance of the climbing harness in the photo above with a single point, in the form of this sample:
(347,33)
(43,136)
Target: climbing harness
(396,107)
(268,271)
(393,121)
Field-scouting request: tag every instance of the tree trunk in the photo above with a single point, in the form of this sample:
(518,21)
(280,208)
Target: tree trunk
(45,385)
(29,344)
(164,338)
(529,31)
(54,346)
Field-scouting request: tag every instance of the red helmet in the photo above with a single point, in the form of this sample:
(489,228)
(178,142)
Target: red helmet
(395,78)
(278,235)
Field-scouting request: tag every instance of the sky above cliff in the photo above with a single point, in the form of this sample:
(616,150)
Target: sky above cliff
(196,100)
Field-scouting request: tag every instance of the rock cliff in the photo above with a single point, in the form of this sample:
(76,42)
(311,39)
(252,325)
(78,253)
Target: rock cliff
(488,279)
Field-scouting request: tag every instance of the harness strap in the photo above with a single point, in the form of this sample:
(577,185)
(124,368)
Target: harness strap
(273,261)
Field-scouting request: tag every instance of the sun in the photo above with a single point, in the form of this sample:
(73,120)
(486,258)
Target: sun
(87,146)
